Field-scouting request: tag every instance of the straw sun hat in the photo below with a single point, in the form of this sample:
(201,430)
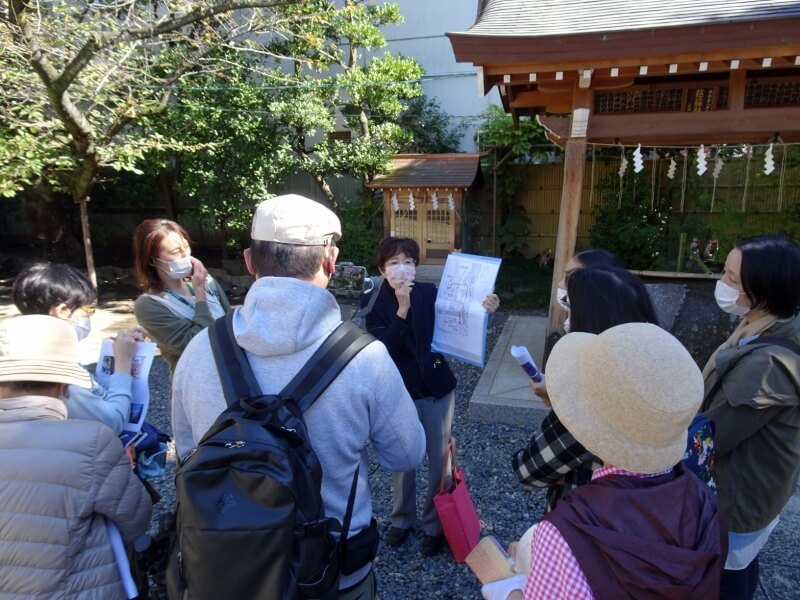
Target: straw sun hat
(40,348)
(628,394)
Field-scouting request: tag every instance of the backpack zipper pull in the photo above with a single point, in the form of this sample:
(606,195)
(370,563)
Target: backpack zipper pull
(236,444)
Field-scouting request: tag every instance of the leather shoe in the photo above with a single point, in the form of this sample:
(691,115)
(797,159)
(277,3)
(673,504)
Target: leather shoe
(396,536)
(432,544)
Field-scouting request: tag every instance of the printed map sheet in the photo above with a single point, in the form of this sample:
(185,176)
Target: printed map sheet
(461,321)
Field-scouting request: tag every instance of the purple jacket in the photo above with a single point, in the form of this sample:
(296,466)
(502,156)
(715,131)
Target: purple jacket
(645,538)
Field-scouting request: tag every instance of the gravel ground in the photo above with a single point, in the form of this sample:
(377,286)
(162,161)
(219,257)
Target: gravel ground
(484,450)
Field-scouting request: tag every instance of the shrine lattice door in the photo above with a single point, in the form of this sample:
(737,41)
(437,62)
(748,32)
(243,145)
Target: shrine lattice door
(433,229)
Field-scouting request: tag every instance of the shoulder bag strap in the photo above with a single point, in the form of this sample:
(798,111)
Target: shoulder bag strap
(764,339)
(373,296)
(776,341)
(338,349)
(351,500)
(235,374)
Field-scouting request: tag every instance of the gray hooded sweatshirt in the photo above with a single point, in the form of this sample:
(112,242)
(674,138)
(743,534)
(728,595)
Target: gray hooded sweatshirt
(283,321)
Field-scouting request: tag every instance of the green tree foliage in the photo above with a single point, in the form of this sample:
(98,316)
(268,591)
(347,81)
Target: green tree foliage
(510,144)
(266,112)
(327,65)
(232,159)
(430,127)
(77,75)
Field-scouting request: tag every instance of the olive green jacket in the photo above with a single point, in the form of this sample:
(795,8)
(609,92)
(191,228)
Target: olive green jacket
(756,411)
(172,332)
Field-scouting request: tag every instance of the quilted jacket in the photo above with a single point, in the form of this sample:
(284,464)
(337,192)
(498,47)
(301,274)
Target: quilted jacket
(60,481)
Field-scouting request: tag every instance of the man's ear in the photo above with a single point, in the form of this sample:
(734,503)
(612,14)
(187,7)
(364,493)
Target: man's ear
(334,254)
(248,262)
(60,311)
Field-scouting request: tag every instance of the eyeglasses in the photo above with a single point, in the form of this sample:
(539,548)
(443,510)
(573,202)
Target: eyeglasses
(90,310)
(409,262)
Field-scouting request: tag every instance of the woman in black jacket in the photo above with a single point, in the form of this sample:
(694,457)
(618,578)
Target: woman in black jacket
(403,319)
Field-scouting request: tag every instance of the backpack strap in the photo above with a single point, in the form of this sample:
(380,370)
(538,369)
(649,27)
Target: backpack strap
(338,349)
(237,377)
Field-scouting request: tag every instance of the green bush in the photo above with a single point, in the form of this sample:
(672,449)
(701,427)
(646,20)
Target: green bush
(629,228)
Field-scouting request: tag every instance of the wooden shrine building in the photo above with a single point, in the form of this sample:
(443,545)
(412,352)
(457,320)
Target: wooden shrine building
(669,73)
(424,197)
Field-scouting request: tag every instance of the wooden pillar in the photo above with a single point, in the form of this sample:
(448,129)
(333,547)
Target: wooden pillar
(571,192)
(387,212)
(736,89)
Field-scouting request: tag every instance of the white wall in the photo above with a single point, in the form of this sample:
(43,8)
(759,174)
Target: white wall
(453,84)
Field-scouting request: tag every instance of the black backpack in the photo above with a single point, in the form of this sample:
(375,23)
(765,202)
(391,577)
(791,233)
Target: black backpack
(250,519)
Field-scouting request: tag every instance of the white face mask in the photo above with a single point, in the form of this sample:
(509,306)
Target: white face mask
(83,328)
(726,297)
(178,268)
(561,297)
(399,274)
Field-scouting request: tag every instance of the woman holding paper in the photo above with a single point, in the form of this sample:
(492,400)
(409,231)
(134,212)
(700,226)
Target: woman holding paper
(180,298)
(403,319)
(63,292)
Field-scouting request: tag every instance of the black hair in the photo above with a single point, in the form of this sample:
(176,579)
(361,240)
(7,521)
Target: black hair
(275,259)
(392,246)
(597,257)
(43,286)
(605,296)
(770,273)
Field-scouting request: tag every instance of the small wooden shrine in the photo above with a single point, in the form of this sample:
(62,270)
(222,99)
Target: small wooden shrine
(669,73)
(424,197)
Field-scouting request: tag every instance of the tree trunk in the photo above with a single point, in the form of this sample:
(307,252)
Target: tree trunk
(87,240)
(168,190)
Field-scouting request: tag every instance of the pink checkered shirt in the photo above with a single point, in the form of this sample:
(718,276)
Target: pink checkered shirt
(555,573)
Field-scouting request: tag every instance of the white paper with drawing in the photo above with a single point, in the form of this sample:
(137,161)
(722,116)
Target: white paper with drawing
(140,392)
(461,319)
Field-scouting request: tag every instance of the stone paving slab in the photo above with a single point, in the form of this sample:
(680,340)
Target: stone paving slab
(503,394)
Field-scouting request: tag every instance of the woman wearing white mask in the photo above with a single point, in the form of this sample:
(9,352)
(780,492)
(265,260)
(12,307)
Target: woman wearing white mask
(181,298)
(403,319)
(62,291)
(752,386)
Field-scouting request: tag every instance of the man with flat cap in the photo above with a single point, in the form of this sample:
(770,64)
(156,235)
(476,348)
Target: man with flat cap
(286,316)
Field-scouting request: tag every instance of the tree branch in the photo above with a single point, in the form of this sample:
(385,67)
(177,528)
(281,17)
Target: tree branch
(99,41)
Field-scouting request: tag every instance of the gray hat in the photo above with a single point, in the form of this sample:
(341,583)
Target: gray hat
(294,219)
(40,348)
(627,395)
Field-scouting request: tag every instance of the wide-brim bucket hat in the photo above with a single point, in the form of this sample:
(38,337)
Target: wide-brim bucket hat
(40,348)
(627,395)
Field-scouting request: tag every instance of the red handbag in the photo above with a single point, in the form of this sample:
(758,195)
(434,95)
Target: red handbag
(460,522)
